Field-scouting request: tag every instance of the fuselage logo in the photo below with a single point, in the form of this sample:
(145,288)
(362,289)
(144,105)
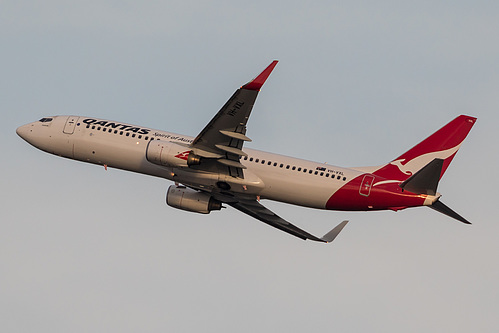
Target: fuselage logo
(416,163)
(184,155)
(121,127)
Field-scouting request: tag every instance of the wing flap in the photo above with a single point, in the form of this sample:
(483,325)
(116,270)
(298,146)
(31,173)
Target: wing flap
(231,150)
(231,163)
(235,135)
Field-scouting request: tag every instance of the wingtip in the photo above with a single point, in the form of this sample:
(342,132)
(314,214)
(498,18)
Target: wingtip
(330,236)
(257,83)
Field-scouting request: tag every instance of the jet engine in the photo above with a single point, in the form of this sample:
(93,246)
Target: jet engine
(191,200)
(170,154)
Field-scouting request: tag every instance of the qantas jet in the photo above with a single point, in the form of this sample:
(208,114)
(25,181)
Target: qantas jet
(213,169)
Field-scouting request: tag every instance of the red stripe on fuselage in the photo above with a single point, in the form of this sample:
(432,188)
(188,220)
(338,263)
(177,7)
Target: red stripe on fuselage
(371,193)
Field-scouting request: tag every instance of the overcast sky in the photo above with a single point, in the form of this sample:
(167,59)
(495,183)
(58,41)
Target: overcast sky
(358,83)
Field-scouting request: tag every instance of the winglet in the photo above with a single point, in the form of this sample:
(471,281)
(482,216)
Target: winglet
(330,236)
(257,83)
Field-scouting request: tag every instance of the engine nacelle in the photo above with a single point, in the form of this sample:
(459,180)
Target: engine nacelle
(167,153)
(191,200)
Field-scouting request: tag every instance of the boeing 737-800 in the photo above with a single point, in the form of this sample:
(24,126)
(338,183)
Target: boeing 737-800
(213,169)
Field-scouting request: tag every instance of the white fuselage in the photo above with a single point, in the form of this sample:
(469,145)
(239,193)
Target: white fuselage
(123,146)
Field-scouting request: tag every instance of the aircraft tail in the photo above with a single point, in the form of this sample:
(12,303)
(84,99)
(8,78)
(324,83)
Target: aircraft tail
(425,181)
(441,146)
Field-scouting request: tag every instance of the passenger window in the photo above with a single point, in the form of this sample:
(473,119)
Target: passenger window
(344,178)
(269,163)
(327,174)
(293,168)
(127,133)
(299,169)
(310,171)
(140,136)
(304,170)
(263,161)
(281,165)
(251,159)
(339,177)
(256,161)
(316,172)
(245,158)
(133,135)
(93,127)
(275,163)
(287,166)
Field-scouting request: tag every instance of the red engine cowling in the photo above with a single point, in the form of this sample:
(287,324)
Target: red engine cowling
(191,200)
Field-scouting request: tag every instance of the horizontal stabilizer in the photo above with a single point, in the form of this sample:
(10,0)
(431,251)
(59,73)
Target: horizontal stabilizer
(440,207)
(425,181)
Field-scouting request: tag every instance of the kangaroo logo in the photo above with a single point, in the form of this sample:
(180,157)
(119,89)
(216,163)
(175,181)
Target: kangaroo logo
(412,166)
(184,155)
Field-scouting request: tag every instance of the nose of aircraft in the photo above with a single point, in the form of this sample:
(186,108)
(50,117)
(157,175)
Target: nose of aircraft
(23,131)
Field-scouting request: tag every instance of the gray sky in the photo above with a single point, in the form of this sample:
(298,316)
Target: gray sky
(83,249)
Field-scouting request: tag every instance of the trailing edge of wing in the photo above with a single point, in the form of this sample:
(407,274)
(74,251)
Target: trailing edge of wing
(260,212)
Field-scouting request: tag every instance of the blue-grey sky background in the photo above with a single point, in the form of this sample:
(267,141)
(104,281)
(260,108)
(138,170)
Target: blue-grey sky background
(83,249)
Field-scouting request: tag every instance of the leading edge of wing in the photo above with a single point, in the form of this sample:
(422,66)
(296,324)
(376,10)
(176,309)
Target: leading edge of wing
(261,213)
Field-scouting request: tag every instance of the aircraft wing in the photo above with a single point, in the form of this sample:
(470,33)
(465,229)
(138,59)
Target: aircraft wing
(258,211)
(222,139)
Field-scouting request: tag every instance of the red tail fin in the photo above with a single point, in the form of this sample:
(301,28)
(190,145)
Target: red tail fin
(442,144)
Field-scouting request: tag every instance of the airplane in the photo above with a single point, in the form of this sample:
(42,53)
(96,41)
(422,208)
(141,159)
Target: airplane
(213,169)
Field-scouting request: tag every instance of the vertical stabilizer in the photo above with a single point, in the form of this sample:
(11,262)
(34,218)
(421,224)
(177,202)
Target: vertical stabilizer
(443,144)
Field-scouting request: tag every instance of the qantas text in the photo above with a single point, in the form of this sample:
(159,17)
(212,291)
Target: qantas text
(121,127)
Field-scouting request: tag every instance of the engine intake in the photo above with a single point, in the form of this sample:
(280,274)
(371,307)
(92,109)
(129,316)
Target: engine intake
(191,200)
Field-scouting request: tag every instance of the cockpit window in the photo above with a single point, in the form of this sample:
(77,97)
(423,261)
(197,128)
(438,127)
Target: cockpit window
(45,120)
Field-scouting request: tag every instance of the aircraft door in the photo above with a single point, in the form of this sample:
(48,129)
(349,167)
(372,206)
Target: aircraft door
(69,127)
(365,186)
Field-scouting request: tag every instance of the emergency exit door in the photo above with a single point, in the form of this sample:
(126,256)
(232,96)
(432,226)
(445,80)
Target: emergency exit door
(70,125)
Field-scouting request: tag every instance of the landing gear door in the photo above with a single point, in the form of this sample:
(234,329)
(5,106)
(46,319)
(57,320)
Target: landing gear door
(69,127)
(365,186)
